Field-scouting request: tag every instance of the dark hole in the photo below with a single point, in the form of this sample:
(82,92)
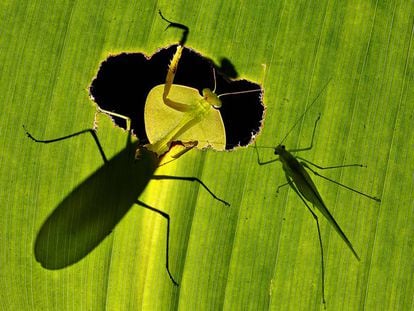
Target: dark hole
(124,80)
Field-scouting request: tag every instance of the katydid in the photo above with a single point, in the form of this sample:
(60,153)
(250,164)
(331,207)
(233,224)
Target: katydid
(179,113)
(301,183)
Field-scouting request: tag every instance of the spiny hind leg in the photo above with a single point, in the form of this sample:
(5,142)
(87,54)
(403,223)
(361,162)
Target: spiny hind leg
(172,68)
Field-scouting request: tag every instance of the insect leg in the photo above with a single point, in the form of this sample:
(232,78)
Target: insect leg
(319,235)
(172,68)
(313,136)
(177,25)
(260,162)
(167,252)
(187,146)
(342,185)
(278,188)
(91,131)
(160,177)
(330,167)
(114,114)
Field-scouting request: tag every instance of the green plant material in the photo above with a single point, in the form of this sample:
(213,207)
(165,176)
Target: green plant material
(261,252)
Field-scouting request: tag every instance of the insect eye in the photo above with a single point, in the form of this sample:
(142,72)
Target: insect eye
(212,98)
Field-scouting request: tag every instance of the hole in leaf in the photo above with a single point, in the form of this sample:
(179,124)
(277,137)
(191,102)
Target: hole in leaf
(124,81)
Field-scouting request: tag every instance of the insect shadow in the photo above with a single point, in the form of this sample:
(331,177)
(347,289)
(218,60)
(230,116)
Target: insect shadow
(92,210)
(228,68)
(300,181)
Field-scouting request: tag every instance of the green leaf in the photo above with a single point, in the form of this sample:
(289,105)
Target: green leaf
(261,252)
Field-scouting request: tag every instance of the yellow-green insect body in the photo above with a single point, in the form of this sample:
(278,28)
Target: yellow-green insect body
(185,115)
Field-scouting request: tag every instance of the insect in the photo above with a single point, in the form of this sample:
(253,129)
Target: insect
(176,112)
(299,180)
(92,210)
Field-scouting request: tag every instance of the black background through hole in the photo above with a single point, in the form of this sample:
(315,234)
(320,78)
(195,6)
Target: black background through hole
(124,80)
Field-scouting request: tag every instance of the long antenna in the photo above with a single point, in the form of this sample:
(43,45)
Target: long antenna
(240,92)
(306,110)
